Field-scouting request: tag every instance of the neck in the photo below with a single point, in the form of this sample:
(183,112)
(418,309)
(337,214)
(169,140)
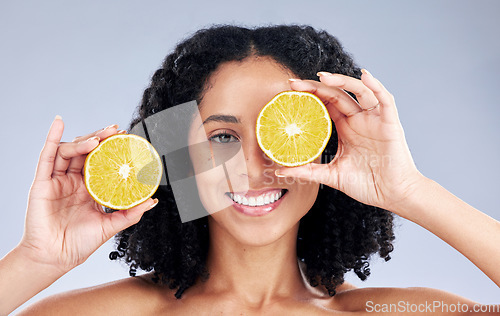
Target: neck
(254,274)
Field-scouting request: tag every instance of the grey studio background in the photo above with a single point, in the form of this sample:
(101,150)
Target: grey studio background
(90,62)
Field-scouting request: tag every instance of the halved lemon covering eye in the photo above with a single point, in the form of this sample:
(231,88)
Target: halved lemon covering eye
(122,171)
(293,128)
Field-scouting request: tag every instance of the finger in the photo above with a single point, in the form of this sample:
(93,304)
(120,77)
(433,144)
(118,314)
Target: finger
(45,165)
(365,96)
(68,151)
(102,133)
(386,99)
(313,172)
(76,163)
(119,220)
(332,97)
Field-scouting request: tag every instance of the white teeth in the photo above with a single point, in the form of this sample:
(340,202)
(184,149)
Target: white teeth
(260,200)
(251,201)
(266,199)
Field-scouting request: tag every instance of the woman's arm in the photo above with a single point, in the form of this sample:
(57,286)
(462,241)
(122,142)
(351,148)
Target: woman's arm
(471,232)
(64,225)
(21,278)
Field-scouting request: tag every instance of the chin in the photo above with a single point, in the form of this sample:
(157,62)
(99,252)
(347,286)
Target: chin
(252,233)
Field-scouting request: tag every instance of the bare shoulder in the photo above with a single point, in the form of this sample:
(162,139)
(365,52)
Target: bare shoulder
(130,296)
(413,293)
(376,299)
(345,287)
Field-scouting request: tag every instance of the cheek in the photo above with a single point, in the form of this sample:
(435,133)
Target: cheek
(306,194)
(310,190)
(205,188)
(201,157)
(212,186)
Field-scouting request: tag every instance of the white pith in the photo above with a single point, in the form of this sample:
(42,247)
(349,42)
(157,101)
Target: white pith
(292,130)
(124,170)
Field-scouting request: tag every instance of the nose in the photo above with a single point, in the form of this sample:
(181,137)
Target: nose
(258,165)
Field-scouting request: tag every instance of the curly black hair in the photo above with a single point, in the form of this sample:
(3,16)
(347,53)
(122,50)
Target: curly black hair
(337,235)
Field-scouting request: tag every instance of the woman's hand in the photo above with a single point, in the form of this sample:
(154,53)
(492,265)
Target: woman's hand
(373,163)
(64,225)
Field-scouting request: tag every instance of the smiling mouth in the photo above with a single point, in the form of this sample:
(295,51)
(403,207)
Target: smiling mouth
(259,200)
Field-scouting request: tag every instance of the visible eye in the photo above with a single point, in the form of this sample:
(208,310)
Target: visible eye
(223,138)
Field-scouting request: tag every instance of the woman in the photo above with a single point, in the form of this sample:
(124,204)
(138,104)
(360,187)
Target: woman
(330,216)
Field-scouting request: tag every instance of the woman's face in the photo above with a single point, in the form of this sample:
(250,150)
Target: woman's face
(235,94)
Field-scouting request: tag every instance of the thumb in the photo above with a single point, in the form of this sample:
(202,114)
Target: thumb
(120,220)
(320,173)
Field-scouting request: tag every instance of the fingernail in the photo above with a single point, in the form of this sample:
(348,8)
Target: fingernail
(366,72)
(121,131)
(323,73)
(154,204)
(294,80)
(106,128)
(92,138)
(279,175)
(111,126)
(58,117)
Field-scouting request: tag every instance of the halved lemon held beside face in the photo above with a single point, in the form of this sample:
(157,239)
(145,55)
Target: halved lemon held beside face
(122,171)
(293,128)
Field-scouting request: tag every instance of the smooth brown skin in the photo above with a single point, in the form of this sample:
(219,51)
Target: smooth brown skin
(261,276)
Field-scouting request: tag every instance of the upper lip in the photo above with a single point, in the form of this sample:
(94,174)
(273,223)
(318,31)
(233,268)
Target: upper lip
(256,193)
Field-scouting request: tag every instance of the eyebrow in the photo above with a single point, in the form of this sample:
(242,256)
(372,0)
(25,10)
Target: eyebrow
(221,118)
